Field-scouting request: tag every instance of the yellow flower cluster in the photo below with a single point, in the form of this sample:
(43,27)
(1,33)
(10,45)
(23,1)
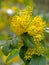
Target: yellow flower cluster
(37,28)
(27,11)
(19,24)
(29,53)
(15,25)
(26,17)
(38,50)
(34,27)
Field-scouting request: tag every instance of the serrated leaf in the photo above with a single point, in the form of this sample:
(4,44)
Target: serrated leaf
(38,60)
(28,41)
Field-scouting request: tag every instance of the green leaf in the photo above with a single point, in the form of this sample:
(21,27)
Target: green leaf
(15,42)
(28,41)
(7,48)
(13,54)
(22,52)
(38,60)
(10,45)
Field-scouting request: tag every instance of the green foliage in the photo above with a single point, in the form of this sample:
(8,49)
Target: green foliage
(22,52)
(28,40)
(7,49)
(10,45)
(38,60)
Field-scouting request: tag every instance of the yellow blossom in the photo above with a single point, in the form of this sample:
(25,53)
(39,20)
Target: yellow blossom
(37,26)
(26,17)
(29,53)
(27,11)
(15,25)
(38,37)
(20,23)
(38,50)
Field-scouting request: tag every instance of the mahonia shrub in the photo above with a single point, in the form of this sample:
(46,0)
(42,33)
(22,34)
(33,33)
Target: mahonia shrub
(30,32)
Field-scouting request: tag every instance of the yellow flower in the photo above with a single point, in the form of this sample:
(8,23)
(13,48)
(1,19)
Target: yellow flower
(37,26)
(20,23)
(38,50)
(29,53)
(38,37)
(26,17)
(27,11)
(36,29)
(15,25)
